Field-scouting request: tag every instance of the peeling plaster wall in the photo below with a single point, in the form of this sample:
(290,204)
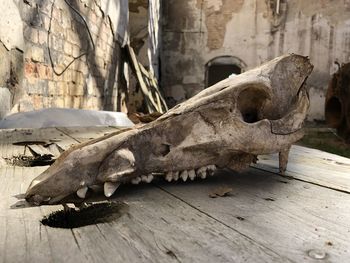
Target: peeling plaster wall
(26,71)
(196,31)
(10,25)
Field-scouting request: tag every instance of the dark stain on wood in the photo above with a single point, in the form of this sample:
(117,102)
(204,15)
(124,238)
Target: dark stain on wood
(30,161)
(93,214)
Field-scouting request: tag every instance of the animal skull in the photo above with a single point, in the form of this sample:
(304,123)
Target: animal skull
(227,125)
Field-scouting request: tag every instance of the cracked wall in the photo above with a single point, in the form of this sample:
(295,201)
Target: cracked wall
(197,31)
(27,77)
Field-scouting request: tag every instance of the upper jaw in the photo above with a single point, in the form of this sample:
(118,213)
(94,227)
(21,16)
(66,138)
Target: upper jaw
(38,193)
(35,194)
(37,199)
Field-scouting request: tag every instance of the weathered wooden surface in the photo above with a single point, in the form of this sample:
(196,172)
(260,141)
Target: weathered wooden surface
(267,217)
(314,166)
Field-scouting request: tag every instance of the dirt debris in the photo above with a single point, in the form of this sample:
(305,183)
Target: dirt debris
(222,191)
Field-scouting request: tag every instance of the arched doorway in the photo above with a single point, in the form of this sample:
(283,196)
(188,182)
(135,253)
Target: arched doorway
(221,68)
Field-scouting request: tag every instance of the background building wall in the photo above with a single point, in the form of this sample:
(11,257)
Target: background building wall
(26,71)
(252,31)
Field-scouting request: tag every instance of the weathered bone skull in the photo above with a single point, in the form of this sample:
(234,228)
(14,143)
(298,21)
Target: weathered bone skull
(227,125)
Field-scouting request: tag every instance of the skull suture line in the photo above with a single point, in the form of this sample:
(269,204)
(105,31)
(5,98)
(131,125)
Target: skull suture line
(227,125)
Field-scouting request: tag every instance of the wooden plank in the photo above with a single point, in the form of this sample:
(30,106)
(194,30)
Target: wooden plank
(19,239)
(313,166)
(145,233)
(144,71)
(8,137)
(161,228)
(49,149)
(157,228)
(152,84)
(268,218)
(82,134)
(13,141)
(25,239)
(288,216)
(35,236)
(53,135)
(144,89)
(61,245)
(46,244)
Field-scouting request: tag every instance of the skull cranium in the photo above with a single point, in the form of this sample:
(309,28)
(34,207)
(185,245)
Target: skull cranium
(227,125)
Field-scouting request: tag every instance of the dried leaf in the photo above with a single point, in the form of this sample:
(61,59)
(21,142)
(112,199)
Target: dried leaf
(221,192)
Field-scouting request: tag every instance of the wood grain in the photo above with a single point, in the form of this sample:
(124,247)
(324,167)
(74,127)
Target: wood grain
(286,215)
(158,227)
(87,133)
(313,166)
(267,217)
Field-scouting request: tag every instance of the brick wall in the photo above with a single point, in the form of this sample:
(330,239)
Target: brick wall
(91,82)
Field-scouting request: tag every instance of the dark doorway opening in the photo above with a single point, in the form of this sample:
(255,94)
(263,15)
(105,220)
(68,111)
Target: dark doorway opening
(221,68)
(217,73)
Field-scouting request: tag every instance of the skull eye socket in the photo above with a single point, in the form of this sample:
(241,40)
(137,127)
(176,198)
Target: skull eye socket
(251,102)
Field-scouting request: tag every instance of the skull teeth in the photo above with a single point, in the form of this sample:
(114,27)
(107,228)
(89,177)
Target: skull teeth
(211,169)
(147,178)
(191,174)
(169,176)
(184,175)
(201,172)
(109,188)
(136,180)
(176,176)
(82,192)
